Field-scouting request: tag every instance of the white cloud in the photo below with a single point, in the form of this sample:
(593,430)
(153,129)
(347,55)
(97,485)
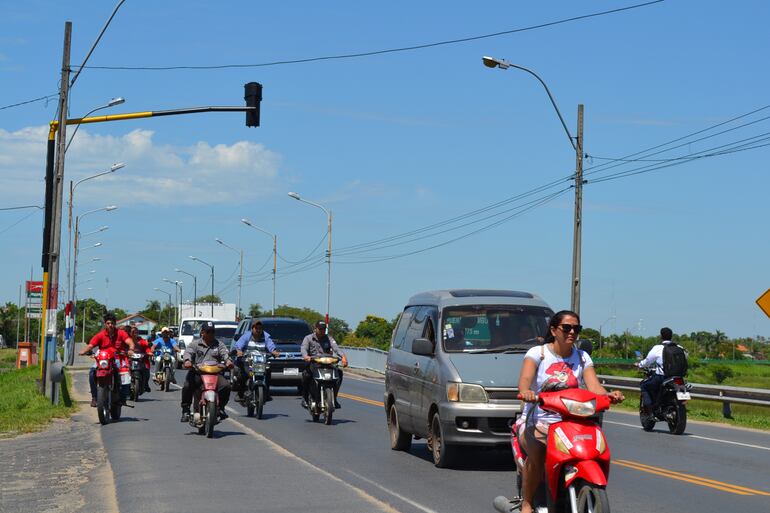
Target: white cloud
(154,174)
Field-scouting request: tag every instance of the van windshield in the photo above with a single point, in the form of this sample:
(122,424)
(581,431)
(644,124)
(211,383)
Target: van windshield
(488,328)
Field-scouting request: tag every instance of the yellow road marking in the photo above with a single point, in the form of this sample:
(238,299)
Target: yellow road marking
(701,481)
(361,399)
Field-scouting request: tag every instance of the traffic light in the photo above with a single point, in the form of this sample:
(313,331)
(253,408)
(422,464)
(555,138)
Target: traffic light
(253,97)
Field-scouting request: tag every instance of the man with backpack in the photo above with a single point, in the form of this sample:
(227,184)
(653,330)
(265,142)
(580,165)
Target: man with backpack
(668,360)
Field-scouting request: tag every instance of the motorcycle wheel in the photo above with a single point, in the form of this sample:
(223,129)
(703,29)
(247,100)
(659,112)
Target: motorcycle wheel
(103,405)
(329,400)
(134,389)
(167,377)
(251,401)
(592,498)
(116,407)
(647,419)
(678,421)
(400,440)
(260,401)
(211,419)
(443,454)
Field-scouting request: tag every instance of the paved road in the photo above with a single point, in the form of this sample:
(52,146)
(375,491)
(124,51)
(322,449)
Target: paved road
(285,462)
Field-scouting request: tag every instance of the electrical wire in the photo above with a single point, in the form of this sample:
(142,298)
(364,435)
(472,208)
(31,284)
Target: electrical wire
(47,97)
(380,52)
(309,255)
(19,221)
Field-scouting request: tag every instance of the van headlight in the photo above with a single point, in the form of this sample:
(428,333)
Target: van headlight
(578,408)
(466,393)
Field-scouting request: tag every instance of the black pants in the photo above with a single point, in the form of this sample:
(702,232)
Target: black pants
(193,382)
(239,372)
(650,389)
(309,386)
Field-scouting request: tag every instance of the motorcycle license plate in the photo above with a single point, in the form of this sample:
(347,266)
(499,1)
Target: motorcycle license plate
(683,396)
(291,371)
(125,379)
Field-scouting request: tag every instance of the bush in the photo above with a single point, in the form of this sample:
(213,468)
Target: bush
(354,340)
(721,372)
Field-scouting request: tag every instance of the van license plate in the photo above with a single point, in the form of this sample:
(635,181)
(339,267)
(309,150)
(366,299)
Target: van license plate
(291,371)
(683,396)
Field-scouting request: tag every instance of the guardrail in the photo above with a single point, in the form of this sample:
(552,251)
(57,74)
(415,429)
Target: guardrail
(373,359)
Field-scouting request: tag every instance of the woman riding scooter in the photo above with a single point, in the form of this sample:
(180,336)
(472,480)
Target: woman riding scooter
(555,365)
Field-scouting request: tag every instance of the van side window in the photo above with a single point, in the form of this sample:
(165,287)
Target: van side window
(416,329)
(431,321)
(403,324)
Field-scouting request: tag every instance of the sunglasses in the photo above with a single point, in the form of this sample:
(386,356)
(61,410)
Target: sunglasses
(566,328)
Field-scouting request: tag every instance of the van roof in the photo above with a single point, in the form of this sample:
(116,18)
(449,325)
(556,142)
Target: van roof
(458,297)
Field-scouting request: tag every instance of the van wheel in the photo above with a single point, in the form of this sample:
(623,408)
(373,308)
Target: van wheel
(443,454)
(400,440)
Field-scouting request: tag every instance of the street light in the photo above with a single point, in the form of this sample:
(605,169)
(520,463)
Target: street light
(112,169)
(212,281)
(169,300)
(577,145)
(275,254)
(328,251)
(73,288)
(240,273)
(178,289)
(195,290)
(103,228)
(111,103)
(600,329)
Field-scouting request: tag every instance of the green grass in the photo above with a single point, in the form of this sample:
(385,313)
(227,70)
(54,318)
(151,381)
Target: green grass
(7,358)
(23,409)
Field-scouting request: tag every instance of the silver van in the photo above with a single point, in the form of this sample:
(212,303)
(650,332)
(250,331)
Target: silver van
(453,367)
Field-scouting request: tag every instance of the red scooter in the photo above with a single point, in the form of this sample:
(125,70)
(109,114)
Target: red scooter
(577,459)
(206,399)
(112,370)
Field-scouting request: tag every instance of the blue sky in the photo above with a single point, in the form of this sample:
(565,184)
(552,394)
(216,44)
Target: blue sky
(396,142)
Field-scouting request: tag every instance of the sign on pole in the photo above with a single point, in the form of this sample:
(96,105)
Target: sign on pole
(34,304)
(763,302)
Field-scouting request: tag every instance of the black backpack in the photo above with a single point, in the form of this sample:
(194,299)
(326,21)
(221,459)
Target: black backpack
(674,360)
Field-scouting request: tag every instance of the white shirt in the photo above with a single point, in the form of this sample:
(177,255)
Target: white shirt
(655,358)
(554,373)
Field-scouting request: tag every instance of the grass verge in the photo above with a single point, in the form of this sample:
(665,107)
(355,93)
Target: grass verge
(756,417)
(7,359)
(23,409)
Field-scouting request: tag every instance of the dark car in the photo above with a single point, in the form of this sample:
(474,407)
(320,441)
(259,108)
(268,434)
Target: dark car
(287,333)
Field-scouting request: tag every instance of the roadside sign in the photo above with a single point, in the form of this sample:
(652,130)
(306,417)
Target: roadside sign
(763,302)
(34,306)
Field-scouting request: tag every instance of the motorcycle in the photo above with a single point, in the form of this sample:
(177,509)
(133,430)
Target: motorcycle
(111,372)
(577,459)
(325,375)
(669,405)
(206,399)
(257,366)
(165,376)
(137,367)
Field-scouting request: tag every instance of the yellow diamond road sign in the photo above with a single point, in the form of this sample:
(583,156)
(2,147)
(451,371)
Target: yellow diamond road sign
(763,302)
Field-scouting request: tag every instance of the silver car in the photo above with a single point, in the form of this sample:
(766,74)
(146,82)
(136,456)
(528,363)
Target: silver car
(453,367)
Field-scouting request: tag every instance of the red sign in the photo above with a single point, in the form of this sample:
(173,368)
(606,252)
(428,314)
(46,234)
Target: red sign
(35,286)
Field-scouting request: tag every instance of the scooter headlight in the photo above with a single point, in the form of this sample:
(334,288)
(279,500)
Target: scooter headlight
(580,409)
(104,364)
(325,374)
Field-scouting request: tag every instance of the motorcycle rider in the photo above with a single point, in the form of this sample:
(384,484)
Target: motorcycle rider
(109,337)
(257,335)
(165,341)
(320,343)
(201,350)
(142,347)
(651,386)
(555,365)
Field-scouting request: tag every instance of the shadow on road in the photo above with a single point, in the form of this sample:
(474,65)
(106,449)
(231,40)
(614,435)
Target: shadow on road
(468,458)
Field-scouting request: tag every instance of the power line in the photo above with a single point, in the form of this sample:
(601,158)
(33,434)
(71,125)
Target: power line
(47,97)
(379,52)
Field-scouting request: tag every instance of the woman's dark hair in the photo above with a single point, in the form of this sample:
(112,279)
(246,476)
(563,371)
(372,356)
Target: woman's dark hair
(556,320)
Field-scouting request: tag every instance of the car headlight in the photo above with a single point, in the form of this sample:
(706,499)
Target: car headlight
(466,393)
(578,408)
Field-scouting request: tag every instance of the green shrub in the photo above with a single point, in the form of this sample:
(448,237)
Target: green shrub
(721,372)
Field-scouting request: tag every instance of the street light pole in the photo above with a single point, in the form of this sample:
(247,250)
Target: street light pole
(275,254)
(195,292)
(169,300)
(240,273)
(600,330)
(577,145)
(178,290)
(328,251)
(212,281)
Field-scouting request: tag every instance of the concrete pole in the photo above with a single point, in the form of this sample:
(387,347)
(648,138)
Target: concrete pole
(577,237)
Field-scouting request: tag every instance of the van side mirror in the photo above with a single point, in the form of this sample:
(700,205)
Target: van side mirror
(585,345)
(422,347)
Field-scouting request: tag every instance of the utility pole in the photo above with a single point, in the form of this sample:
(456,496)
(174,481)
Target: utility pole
(577,237)
(54,210)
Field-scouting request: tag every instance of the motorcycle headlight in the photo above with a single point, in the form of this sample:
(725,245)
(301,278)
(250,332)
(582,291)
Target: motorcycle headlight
(326,374)
(466,393)
(103,364)
(259,368)
(166,356)
(580,409)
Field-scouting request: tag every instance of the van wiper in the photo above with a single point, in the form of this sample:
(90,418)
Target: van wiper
(510,348)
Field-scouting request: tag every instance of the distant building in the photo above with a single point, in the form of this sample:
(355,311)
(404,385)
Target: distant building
(144,324)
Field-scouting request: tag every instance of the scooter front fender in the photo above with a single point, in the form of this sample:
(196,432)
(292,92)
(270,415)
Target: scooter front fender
(587,470)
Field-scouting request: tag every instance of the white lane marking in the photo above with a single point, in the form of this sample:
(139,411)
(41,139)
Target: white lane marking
(394,494)
(719,440)
(382,506)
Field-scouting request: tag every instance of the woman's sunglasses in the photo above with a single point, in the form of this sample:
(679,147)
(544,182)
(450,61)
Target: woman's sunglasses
(566,328)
